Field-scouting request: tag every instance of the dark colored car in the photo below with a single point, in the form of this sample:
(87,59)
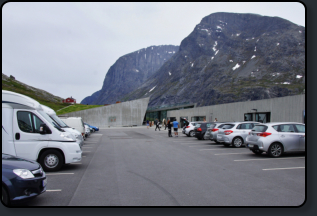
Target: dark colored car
(22,179)
(201,128)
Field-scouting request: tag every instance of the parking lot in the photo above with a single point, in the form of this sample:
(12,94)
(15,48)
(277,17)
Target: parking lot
(142,167)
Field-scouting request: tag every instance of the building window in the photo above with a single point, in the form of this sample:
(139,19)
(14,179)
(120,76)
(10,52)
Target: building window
(198,118)
(248,117)
(263,117)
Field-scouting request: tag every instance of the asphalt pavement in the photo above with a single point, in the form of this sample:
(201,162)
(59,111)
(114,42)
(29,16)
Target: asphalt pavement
(136,166)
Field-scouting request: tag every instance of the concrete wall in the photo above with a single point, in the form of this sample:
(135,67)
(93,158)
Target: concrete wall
(284,109)
(125,114)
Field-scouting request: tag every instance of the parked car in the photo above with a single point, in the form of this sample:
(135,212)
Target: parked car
(28,132)
(87,130)
(276,138)
(190,129)
(22,179)
(76,123)
(234,134)
(94,128)
(212,128)
(215,130)
(201,128)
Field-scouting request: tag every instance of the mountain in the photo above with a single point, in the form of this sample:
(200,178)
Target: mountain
(43,97)
(231,57)
(129,72)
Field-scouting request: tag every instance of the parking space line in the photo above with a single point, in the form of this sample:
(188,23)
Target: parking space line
(59,173)
(56,190)
(272,159)
(285,168)
(232,153)
(201,146)
(210,149)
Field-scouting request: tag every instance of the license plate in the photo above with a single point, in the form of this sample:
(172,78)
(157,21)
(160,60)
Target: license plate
(250,145)
(44,182)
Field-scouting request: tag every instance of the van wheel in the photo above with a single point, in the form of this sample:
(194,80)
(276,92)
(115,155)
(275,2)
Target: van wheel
(275,150)
(5,197)
(51,160)
(237,142)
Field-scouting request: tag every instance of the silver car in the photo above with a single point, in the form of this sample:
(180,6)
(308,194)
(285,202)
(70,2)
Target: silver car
(235,133)
(276,138)
(212,130)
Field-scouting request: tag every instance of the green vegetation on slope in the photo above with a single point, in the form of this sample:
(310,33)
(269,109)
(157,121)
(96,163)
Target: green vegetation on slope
(76,107)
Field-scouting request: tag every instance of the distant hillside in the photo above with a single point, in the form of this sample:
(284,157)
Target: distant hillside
(39,95)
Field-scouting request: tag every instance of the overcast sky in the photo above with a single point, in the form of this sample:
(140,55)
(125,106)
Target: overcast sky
(67,48)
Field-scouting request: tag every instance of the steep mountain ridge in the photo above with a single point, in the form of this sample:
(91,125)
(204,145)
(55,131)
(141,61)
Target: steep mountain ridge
(231,57)
(129,72)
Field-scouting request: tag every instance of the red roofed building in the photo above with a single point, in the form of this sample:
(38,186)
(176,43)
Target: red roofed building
(70,100)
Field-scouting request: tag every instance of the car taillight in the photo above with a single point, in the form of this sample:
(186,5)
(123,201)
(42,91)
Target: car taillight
(227,132)
(264,134)
(215,129)
(198,129)
(82,134)
(188,127)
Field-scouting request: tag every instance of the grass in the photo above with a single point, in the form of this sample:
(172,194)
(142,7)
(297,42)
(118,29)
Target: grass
(76,107)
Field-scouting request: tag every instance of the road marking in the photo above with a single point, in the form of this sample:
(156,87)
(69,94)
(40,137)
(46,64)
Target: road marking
(211,149)
(59,173)
(285,168)
(201,146)
(56,190)
(271,159)
(231,153)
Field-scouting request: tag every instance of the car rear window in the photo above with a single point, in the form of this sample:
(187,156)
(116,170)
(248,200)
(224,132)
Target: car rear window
(220,126)
(259,128)
(228,126)
(197,125)
(208,125)
(212,126)
(300,128)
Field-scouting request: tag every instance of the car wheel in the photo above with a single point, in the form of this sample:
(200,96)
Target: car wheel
(203,137)
(51,160)
(275,150)
(257,151)
(237,142)
(192,133)
(5,197)
(93,130)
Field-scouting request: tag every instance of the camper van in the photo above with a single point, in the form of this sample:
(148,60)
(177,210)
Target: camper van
(52,114)
(28,132)
(76,123)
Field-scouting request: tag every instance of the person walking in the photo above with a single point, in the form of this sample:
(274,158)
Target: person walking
(164,123)
(169,127)
(175,126)
(215,120)
(147,124)
(157,125)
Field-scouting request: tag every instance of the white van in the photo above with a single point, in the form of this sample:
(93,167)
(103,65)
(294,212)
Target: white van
(76,123)
(51,113)
(28,132)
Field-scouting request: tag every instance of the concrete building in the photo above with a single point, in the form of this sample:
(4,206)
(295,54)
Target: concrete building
(281,109)
(120,114)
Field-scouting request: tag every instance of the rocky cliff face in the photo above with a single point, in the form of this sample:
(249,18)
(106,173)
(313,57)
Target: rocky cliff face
(129,72)
(231,57)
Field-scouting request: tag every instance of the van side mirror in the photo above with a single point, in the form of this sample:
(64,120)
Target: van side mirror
(44,129)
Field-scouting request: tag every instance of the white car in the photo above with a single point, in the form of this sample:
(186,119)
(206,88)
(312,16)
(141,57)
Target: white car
(87,130)
(189,130)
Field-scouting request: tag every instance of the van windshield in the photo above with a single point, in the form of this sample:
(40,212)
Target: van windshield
(51,121)
(59,121)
